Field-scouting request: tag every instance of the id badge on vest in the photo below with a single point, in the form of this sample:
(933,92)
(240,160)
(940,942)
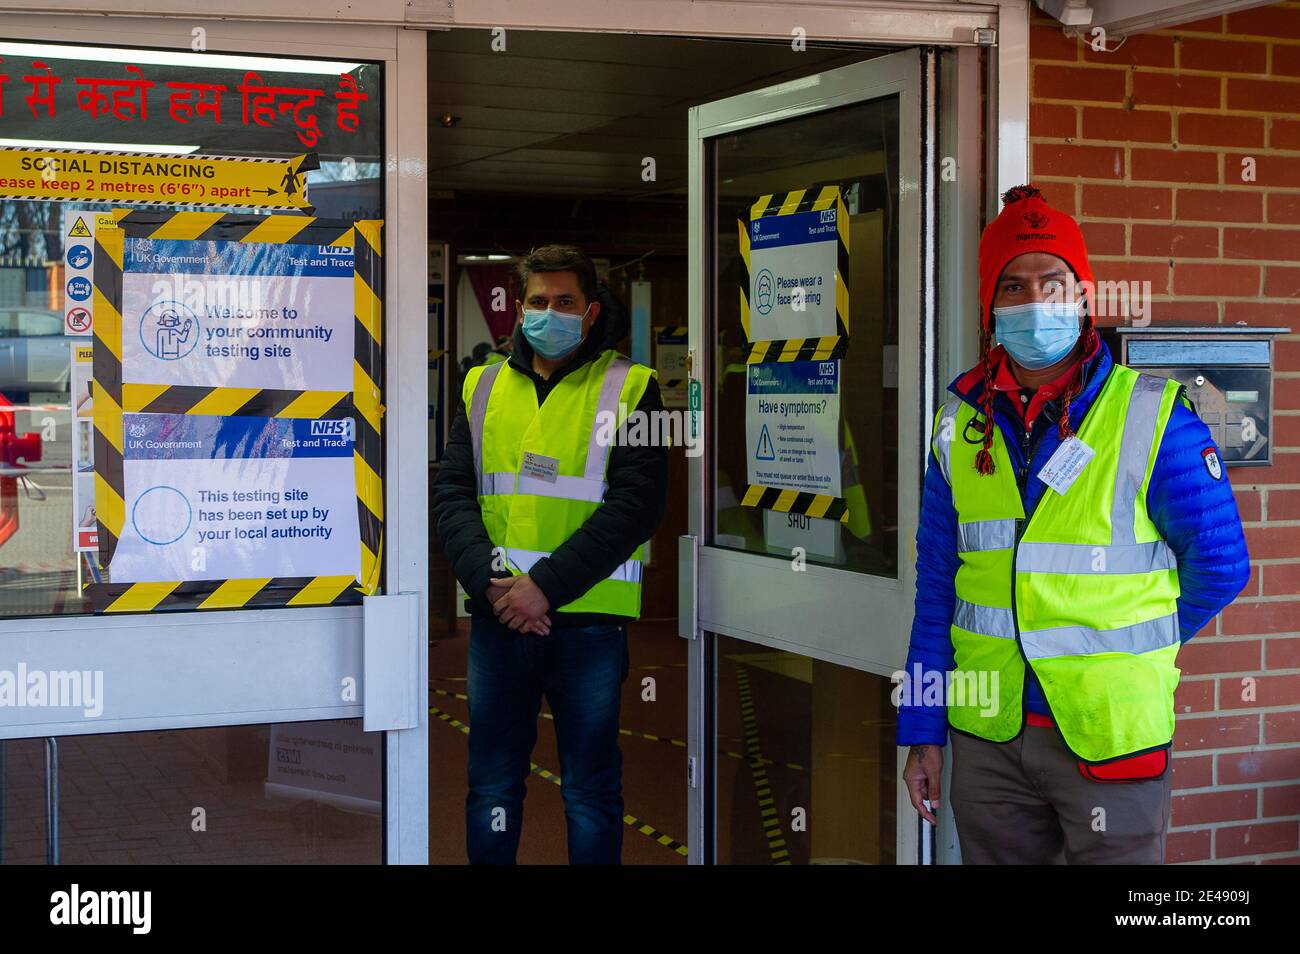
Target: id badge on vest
(539,466)
(1064,466)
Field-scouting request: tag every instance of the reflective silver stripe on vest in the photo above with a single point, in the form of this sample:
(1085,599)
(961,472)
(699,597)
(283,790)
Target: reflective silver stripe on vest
(1134,450)
(610,390)
(566,488)
(945,429)
(986,535)
(1035,557)
(1083,641)
(987,620)
(477,412)
(523,560)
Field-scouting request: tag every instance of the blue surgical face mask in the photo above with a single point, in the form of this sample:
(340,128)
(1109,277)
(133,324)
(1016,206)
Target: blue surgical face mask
(1038,334)
(553,334)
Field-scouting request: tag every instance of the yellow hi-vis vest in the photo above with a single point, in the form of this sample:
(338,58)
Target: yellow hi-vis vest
(1085,591)
(541,471)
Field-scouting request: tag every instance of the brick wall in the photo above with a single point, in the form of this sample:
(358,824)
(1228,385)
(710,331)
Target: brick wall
(1145,146)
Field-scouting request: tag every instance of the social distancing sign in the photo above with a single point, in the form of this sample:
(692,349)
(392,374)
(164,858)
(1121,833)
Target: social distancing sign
(222,479)
(132,178)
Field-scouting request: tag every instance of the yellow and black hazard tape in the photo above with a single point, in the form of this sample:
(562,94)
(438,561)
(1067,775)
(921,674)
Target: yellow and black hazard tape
(672,331)
(776,845)
(672,844)
(818,348)
(363,405)
(796,501)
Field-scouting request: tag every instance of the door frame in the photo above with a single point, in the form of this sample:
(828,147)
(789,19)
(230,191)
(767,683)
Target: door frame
(205,669)
(939,95)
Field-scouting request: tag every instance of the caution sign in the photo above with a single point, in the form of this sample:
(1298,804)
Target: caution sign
(79,227)
(132,178)
(226,490)
(794,297)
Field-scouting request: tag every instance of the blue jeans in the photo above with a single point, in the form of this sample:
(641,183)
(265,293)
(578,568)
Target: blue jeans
(580,670)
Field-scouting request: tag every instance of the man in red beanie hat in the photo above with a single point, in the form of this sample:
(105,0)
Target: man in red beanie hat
(1076,528)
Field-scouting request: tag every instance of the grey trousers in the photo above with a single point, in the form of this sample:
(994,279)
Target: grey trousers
(1025,802)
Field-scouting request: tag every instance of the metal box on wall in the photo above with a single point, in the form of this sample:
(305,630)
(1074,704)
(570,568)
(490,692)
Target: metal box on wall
(1228,373)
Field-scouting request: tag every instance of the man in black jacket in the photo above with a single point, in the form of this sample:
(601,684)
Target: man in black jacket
(523,643)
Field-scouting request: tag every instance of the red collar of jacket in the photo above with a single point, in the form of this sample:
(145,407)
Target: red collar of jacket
(1004,379)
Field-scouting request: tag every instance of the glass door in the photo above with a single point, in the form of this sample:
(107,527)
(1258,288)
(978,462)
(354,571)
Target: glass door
(807,344)
(213,718)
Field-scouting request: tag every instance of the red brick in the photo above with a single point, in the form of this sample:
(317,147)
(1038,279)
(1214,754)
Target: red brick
(1127,270)
(1220,205)
(1258,839)
(1274,20)
(1284,133)
(1264,691)
(1248,504)
(1253,581)
(1284,207)
(1208,25)
(1274,616)
(1174,165)
(1047,119)
(1282,282)
(1085,162)
(1286,432)
(1286,60)
(1200,657)
(1185,312)
(1192,771)
(1268,765)
(1286,352)
(1275,171)
(1283,504)
(1194,695)
(1175,241)
(1137,50)
(1103,238)
(1050,43)
(1203,808)
(1262,96)
(1281,579)
(1129,125)
(1183,846)
(1216,280)
(1123,202)
(1262,244)
(1222,56)
(1079,83)
(1175,89)
(1282,653)
(1286,393)
(1208,129)
(1261,313)
(1216,732)
(1280,800)
(1282,727)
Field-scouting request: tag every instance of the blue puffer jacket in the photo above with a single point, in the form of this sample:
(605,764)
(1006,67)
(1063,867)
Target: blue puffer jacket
(1195,513)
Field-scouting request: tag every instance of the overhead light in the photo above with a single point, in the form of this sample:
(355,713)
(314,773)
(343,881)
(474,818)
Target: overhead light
(98,146)
(110,54)
(448,120)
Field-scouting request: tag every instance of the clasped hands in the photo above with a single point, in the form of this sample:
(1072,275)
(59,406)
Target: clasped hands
(520,604)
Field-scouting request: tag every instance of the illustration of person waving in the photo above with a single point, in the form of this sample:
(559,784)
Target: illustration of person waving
(172,334)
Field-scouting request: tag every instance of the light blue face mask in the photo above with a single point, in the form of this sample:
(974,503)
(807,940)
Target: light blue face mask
(553,334)
(1037,334)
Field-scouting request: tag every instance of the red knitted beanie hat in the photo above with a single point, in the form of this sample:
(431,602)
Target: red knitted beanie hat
(1028,224)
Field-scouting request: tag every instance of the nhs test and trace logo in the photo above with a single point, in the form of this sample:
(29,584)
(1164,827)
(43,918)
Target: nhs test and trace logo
(340,427)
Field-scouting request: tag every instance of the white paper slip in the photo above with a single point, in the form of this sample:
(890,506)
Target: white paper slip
(1066,464)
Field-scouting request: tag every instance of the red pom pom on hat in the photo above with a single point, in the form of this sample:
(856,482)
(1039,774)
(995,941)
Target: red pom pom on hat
(1028,224)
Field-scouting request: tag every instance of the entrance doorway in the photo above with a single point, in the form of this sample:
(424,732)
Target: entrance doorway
(648,151)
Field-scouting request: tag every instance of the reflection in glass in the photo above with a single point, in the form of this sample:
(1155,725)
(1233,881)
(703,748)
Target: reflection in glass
(806,762)
(856,149)
(288,793)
